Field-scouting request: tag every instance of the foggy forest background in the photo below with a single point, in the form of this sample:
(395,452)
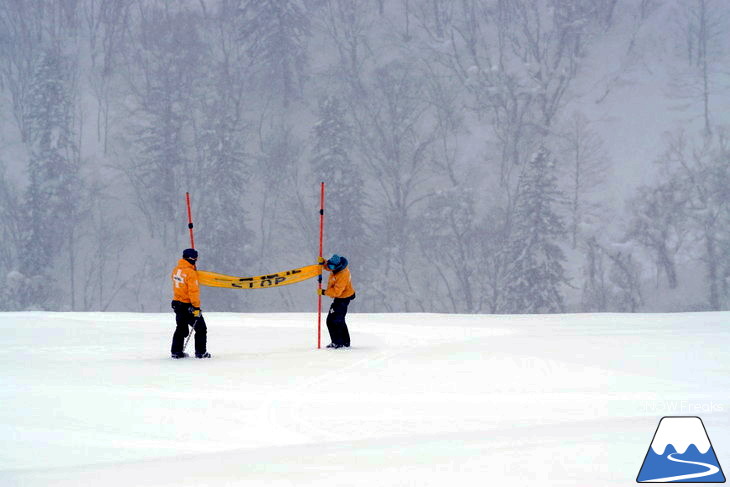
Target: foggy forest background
(480,156)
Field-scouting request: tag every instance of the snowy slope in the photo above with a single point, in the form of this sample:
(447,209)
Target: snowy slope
(93,399)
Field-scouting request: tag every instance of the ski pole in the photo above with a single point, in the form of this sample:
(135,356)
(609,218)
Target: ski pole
(190,334)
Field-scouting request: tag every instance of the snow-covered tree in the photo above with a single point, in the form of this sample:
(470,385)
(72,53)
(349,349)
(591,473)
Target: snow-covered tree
(164,76)
(625,277)
(102,272)
(224,236)
(702,174)
(659,223)
(584,169)
(394,133)
(703,30)
(275,33)
(612,278)
(53,171)
(452,239)
(596,292)
(536,258)
(108,26)
(27,29)
(347,24)
(332,162)
(11,234)
(222,168)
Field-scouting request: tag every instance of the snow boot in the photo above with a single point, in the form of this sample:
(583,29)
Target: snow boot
(179,355)
(202,355)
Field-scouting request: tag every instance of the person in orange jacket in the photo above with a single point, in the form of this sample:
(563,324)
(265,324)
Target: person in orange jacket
(186,304)
(339,287)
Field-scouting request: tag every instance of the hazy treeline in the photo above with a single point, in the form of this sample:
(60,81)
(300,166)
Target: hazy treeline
(460,177)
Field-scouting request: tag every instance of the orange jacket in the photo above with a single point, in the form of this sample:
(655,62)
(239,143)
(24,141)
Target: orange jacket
(185,283)
(339,284)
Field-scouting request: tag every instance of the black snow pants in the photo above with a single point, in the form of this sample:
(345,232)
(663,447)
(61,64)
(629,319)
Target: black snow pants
(184,318)
(336,321)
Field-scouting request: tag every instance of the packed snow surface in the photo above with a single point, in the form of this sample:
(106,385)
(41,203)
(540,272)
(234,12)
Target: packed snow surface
(94,399)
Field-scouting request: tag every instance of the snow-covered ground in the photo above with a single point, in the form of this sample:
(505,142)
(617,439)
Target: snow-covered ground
(93,399)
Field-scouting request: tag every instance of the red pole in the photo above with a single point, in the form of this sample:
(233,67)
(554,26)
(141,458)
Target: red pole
(190,221)
(319,294)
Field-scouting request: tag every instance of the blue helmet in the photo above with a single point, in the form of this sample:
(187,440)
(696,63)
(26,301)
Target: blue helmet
(336,262)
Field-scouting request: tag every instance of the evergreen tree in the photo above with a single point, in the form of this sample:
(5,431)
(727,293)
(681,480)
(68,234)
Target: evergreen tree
(52,173)
(168,56)
(332,162)
(11,234)
(222,171)
(536,257)
(224,238)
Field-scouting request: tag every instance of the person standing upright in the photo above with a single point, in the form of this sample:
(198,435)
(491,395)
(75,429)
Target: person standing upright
(186,304)
(339,287)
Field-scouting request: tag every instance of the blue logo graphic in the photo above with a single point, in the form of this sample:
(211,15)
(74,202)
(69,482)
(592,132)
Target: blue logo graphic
(681,452)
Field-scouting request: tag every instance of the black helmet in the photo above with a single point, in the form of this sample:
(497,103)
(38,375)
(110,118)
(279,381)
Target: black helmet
(190,254)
